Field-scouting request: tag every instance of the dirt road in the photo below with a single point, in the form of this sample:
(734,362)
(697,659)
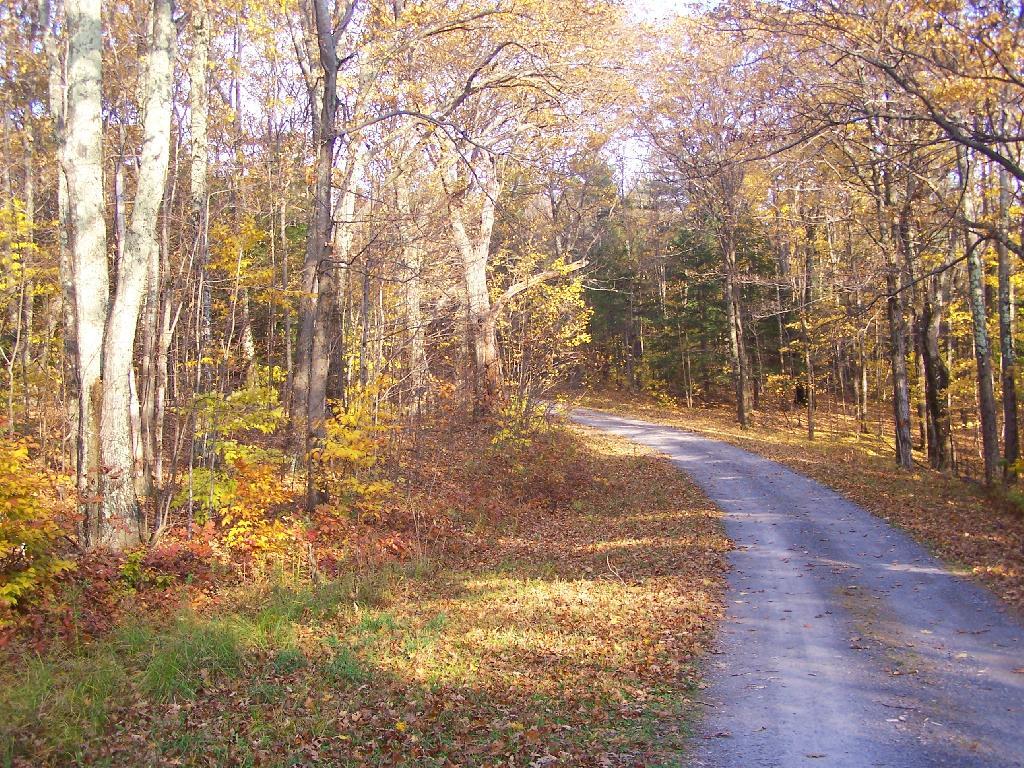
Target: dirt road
(846,643)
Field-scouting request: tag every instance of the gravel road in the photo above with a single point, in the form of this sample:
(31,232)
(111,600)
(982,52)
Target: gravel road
(846,643)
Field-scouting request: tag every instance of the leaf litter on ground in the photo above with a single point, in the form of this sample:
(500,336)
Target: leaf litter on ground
(541,603)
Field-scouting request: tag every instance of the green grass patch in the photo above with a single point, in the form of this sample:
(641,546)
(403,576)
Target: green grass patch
(376,623)
(287,661)
(194,652)
(63,700)
(344,666)
(52,705)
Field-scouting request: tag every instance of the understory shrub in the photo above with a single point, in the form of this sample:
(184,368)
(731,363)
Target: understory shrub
(29,535)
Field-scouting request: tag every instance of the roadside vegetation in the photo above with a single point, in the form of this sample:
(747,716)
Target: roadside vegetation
(540,602)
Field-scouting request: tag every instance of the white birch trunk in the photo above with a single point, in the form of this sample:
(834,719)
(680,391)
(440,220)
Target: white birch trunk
(122,519)
(81,158)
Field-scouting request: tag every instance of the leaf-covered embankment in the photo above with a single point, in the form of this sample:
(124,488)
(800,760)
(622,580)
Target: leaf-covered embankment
(552,602)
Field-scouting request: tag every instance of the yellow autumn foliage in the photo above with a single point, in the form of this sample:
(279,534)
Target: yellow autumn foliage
(249,526)
(349,454)
(28,533)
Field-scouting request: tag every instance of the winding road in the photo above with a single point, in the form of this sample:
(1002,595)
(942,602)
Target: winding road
(846,643)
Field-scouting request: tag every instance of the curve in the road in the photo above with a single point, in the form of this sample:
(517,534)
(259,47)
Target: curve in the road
(846,643)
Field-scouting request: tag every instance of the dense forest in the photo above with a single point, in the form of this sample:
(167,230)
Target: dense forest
(253,253)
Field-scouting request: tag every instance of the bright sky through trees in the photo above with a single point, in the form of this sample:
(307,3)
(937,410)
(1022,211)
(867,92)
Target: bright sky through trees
(658,10)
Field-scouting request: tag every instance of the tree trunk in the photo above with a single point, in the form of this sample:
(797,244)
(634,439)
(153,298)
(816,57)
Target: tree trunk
(888,230)
(57,96)
(285,277)
(412,257)
(936,374)
(898,360)
(82,162)
(733,306)
(122,523)
(482,329)
(983,358)
(328,288)
(758,371)
(168,321)
(246,337)
(364,325)
(906,240)
(198,185)
(317,242)
(28,292)
(805,325)
(979,315)
(1011,439)
(936,382)
(862,386)
(147,371)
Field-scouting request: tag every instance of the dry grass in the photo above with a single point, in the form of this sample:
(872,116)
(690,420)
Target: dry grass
(974,531)
(551,611)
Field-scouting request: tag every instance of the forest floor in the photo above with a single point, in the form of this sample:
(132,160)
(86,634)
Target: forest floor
(975,532)
(539,602)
